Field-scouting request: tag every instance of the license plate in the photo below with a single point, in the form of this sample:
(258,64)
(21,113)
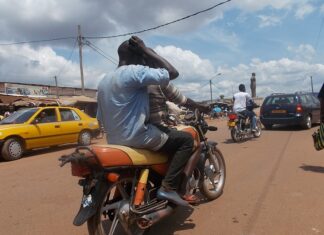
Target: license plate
(231,124)
(279,111)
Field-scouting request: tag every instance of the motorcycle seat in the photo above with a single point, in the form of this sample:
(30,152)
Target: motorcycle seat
(119,155)
(241,115)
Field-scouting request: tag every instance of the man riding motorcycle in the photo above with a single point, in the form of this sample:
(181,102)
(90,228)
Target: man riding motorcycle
(241,102)
(123,109)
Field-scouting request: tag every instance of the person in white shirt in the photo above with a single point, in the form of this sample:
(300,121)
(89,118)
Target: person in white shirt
(241,99)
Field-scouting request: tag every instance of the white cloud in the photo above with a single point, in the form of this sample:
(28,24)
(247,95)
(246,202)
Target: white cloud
(266,21)
(322,9)
(23,63)
(303,52)
(39,66)
(303,10)
(282,75)
(252,5)
(56,18)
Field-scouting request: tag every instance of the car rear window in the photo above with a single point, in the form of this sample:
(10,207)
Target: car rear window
(69,115)
(291,99)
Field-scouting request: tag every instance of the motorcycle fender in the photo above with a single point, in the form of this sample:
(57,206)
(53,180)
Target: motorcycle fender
(91,202)
(212,143)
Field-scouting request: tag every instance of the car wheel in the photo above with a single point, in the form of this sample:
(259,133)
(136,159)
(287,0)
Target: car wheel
(12,149)
(268,126)
(85,138)
(308,122)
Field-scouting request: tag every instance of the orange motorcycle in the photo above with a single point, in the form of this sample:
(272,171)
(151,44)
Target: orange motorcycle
(120,183)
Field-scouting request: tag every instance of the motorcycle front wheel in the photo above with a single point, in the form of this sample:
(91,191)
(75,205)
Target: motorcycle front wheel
(108,218)
(214,175)
(258,131)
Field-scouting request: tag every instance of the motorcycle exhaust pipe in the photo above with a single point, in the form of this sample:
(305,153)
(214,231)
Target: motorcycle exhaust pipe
(148,220)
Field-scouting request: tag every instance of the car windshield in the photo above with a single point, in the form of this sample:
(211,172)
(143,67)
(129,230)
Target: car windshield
(19,116)
(289,99)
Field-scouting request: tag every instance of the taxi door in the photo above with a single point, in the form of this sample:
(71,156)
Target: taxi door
(45,130)
(71,124)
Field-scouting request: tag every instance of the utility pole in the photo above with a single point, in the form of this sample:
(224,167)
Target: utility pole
(211,91)
(311,78)
(80,55)
(57,91)
(210,86)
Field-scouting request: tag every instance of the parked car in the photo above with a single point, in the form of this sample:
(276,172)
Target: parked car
(39,127)
(290,109)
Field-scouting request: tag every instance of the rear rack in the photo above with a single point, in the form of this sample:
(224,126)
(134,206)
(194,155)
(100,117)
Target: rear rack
(79,157)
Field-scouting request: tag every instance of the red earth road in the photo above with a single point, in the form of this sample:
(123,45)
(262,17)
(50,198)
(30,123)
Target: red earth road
(274,185)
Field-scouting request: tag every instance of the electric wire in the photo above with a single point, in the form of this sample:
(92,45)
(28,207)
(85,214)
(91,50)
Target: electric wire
(319,35)
(112,58)
(159,26)
(36,41)
(69,58)
(119,35)
(100,53)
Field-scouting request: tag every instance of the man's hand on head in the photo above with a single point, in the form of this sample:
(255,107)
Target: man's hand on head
(137,45)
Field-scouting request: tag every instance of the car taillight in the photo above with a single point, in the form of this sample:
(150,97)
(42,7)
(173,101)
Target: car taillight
(232,116)
(299,108)
(78,170)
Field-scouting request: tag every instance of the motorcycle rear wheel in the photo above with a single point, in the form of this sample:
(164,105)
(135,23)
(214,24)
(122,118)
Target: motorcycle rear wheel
(236,136)
(214,175)
(106,220)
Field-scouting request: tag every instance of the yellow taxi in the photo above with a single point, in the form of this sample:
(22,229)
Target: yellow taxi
(40,127)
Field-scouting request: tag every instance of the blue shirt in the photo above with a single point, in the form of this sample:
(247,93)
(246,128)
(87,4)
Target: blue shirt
(217,110)
(123,106)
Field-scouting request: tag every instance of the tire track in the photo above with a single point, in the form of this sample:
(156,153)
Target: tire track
(258,205)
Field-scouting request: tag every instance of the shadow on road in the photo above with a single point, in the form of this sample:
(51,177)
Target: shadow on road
(317,169)
(287,128)
(179,221)
(230,141)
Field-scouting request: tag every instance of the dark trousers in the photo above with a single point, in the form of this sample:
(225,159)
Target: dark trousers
(180,146)
(251,116)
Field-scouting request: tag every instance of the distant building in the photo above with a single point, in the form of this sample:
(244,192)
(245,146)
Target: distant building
(37,90)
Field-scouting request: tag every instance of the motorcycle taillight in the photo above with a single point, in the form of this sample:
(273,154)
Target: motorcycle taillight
(232,116)
(78,170)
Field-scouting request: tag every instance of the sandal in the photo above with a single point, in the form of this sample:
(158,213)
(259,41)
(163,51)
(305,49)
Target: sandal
(191,198)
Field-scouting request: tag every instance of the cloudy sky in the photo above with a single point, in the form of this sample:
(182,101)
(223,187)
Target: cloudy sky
(282,41)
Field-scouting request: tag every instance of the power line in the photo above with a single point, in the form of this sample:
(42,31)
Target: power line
(36,41)
(319,34)
(70,56)
(112,58)
(100,53)
(119,35)
(159,26)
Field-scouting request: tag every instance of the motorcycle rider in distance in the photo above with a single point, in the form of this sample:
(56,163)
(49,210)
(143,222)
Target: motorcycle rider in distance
(241,100)
(123,109)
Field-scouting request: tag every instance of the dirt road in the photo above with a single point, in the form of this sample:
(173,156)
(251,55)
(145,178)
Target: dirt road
(275,185)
